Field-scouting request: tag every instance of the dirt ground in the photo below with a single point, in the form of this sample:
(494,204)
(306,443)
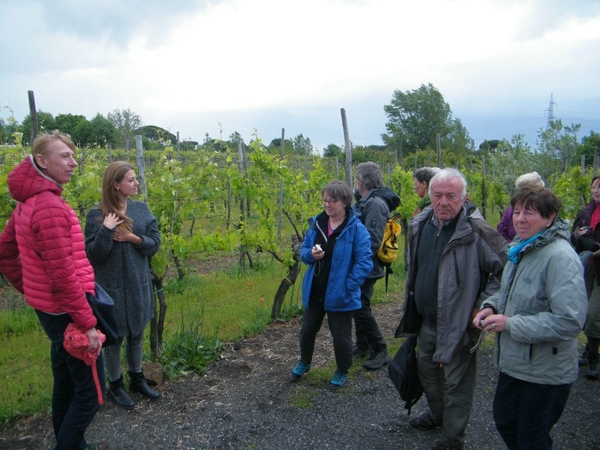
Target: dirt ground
(246,401)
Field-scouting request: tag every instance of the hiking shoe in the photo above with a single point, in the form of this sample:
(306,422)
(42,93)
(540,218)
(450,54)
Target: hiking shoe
(300,370)
(377,360)
(339,379)
(592,372)
(359,352)
(424,422)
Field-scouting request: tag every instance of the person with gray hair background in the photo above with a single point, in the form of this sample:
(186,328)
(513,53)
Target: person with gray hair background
(505,226)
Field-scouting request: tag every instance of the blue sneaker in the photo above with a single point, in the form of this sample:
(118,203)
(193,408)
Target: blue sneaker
(300,370)
(339,379)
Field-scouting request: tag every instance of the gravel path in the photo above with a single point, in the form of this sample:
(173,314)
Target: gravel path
(245,401)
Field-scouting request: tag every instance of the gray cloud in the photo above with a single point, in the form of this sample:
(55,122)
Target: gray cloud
(114,20)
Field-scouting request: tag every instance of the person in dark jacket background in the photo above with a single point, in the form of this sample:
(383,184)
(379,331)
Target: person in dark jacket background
(337,249)
(455,261)
(374,203)
(121,237)
(585,236)
(42,254)
(421,178)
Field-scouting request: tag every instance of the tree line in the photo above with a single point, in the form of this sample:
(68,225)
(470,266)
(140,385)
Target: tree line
(419,122)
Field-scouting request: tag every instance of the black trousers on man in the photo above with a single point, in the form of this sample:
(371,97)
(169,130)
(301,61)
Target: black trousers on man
(368,334)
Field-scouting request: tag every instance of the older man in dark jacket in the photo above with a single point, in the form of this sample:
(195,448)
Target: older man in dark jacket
(455,261)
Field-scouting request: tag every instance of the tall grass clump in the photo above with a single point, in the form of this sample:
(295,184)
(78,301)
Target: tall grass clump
(25,368)
(188,350)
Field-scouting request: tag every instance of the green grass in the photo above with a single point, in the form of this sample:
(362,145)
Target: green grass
(24,365)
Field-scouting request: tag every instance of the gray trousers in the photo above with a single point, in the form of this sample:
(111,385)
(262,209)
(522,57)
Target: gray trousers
(449,388)
(133,356)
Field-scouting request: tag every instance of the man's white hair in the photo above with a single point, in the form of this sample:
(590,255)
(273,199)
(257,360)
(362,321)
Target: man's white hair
(446,175)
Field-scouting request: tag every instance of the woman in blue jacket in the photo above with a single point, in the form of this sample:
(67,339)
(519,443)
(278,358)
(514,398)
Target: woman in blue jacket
(337,249)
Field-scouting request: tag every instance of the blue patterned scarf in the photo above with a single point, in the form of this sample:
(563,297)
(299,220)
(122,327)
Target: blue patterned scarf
(514,253)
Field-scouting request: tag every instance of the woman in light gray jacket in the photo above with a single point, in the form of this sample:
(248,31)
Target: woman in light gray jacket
(537,315)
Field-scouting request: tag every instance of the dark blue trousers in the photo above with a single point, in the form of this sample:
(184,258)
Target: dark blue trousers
(525,412)
(74,397)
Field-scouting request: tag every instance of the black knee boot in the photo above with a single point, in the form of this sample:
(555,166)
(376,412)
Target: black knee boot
(593,369)
(137,383)
(117,392)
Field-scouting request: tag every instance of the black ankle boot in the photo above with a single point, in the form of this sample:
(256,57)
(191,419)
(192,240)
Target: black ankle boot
(117,392)
(137,383)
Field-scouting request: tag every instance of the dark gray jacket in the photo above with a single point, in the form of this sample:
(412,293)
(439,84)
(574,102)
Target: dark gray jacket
(469,272)
(375,210)
(123,269)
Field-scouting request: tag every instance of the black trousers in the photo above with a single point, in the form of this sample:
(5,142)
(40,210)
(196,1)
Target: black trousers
(368,333)
(340,326)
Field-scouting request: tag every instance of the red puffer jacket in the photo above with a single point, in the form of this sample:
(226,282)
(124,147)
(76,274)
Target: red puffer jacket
(42,251)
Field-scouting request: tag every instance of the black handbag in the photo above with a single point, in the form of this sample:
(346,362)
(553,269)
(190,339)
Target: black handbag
(404,373)
(103,308)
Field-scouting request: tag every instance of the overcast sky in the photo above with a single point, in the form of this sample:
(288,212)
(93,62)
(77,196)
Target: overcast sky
(263,65)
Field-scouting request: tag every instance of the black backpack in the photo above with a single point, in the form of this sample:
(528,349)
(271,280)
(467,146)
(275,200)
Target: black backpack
(404,374)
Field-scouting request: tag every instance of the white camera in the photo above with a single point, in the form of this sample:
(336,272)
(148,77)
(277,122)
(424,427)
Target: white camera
(318,248)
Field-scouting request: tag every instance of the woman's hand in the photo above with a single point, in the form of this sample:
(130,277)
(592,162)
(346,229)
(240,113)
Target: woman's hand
(583,230)
(95,344)
(317,252)
(112,221)
(121,235)
(488,321)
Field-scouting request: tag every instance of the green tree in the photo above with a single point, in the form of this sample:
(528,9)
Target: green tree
(45,123)
(415,117)
(157,135)
(275,146)
(235,137)
(489,145)
(68,122)
(458,140)
(302,146)
(98,132)
(9,129)
(590,146)
(126,122)
(332,150)
(5,134)
(507,162)
(558,146)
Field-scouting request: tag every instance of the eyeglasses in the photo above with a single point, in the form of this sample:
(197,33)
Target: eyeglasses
(329,202)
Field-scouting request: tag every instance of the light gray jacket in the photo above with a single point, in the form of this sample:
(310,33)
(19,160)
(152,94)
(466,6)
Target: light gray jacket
(545,301)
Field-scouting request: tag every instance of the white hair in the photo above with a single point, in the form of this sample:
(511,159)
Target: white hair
(529,179)
(446,175)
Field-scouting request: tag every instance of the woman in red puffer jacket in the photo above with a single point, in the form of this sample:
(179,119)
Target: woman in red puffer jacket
(42,253)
